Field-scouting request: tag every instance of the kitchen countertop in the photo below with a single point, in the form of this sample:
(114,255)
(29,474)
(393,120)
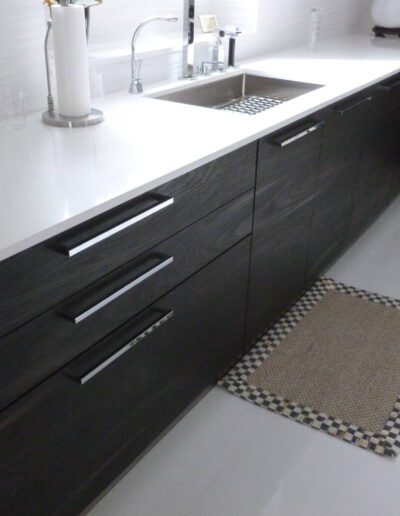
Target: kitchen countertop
(53,179)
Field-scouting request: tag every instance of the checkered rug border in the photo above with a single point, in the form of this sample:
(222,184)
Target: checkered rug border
(386,442)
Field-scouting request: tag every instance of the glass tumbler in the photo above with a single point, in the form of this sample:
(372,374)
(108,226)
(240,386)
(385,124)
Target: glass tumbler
(13,108)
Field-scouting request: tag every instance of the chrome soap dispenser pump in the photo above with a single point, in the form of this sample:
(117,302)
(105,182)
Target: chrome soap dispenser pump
(218,50)
(217,62)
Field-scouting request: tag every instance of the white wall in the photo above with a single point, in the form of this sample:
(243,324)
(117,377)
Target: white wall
(277,24)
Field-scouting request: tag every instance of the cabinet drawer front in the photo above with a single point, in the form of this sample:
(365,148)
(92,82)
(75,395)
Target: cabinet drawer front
(39,348)
(282,222)
(283,167)
(378,177)
(390,88)
(67,431)
(41,277)
(335,187)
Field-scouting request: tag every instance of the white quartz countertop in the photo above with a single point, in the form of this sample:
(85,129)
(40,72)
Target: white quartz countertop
(52,179)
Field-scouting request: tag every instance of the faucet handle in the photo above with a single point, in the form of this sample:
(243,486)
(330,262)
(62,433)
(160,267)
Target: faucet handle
(204,69)
(219,33)
(233,32)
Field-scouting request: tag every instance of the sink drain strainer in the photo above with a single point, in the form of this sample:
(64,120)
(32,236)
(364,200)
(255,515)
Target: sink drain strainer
(250,105)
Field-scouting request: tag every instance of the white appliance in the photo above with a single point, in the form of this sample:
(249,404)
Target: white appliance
(386,13)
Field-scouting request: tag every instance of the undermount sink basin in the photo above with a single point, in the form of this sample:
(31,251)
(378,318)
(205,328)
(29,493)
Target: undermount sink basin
(245,93)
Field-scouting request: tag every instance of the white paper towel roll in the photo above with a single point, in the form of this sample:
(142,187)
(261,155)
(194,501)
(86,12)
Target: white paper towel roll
(71,58)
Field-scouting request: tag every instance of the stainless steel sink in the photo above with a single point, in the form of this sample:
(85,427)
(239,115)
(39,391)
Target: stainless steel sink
(245,93)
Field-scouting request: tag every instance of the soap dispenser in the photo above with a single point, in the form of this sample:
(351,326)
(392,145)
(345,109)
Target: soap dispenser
(233,33)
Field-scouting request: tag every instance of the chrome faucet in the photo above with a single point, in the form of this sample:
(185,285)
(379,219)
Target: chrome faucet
(136,86)
(188,39)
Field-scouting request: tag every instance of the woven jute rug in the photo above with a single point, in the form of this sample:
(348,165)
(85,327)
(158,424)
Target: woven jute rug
(331,362)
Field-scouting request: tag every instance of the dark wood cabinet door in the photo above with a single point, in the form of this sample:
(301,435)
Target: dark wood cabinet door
(378,179)
(335,189)
(41,347)
(287,169)
(64,442)
(38,279)
(390,101)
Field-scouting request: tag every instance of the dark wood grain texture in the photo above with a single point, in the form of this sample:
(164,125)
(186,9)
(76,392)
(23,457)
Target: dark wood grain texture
(41,347)
(390,102)
(282,225)
(64,442)
(36,280)
(378,179)
(335,188)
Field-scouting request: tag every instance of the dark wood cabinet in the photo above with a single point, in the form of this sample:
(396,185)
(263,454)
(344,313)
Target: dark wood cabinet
(39,348)
(316,194)
(359,173)
(378,178)
(387,95)
(68,437)
(41,277)
(391,101)
(287,168)
(343,135)
(111,330)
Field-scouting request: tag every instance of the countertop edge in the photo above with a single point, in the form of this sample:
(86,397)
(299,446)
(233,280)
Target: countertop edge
(52,231)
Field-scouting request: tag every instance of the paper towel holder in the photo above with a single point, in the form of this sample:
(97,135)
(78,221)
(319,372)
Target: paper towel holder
(51,116)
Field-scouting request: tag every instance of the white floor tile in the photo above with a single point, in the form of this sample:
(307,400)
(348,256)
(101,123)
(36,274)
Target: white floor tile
(287,469)
(170,478)
(373,263)
(228,457)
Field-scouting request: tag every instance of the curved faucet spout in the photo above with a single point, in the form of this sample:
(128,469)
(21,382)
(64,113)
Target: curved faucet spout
(136,64)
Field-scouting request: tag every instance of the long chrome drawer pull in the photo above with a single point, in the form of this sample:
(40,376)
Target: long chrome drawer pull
(298,136)
(127,347)
(120,227)
(90,311)
(342,111)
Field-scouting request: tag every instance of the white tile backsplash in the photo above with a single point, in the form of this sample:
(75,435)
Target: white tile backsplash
(272,24)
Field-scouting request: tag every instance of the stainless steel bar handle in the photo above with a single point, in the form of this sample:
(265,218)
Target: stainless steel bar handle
(120,227)
(298,136)
(122,351)
(353,106)
(92,310)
